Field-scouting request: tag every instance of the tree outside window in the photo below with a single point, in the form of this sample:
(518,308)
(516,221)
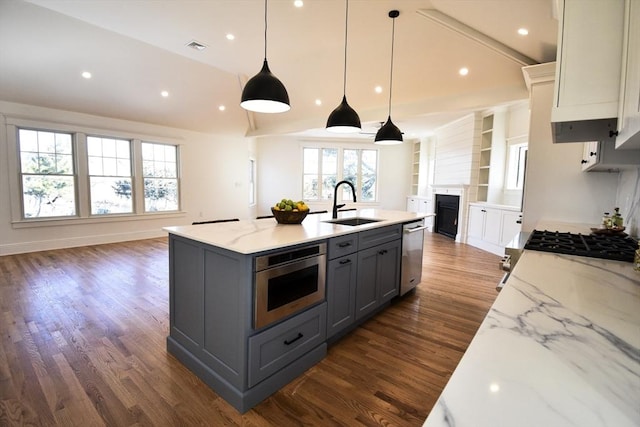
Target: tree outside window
(110,179)
(47,174)
(160,174)
(321,167)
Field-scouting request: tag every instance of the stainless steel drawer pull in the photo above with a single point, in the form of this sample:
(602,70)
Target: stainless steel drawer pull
(289,342)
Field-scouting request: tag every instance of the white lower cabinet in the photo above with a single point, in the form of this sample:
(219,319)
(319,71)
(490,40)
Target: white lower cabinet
(491,227)
(419,204)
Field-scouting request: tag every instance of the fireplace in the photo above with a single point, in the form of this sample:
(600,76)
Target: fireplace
(447,215)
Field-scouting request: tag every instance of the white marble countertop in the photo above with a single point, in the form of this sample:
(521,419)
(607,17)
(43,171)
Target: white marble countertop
(253,236)
(559,347)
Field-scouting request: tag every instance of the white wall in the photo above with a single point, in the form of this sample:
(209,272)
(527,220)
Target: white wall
(214,183)
(556,188)
(280,171)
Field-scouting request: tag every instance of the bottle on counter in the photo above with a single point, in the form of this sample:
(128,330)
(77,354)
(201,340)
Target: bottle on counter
(606,220)
(616,220)
(636,260)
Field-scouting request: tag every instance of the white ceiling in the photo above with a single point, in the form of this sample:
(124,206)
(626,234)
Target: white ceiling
(137,48)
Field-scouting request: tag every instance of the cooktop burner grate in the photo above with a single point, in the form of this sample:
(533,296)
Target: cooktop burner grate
(619,248)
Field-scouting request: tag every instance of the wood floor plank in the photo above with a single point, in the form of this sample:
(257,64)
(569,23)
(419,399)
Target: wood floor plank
(83,342)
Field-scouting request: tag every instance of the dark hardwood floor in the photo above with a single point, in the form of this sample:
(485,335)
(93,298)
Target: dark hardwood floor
(82,343)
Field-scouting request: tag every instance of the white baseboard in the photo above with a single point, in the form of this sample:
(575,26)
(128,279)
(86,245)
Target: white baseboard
(72,242)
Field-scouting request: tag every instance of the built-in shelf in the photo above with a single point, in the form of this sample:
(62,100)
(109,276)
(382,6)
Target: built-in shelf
(486,141)
(415,168)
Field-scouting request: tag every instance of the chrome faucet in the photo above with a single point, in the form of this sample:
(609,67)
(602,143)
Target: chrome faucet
(335,195)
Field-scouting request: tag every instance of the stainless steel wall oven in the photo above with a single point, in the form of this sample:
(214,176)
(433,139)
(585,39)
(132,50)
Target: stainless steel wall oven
(287,282)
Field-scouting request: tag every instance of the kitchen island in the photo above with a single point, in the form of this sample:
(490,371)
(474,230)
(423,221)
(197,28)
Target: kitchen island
(244,348)
(559,347)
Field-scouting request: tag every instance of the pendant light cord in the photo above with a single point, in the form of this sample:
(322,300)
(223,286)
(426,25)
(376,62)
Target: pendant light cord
(265,30)
(346,25)
(393,34)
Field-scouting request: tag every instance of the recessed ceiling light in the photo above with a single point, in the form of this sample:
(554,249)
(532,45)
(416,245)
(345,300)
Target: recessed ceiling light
(230,36)
(298,3)
(318,102)
(463,71)
(523,31)
(378,89)
(86,74)
(164,94)
(222,108)
(196,45)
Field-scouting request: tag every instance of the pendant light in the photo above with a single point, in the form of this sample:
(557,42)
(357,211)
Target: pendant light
(344,119)
(389,134)
(264,93)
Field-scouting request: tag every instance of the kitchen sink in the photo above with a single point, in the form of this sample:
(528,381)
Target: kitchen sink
(353,221)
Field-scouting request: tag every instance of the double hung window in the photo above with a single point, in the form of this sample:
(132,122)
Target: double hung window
(71,175)
(47,174)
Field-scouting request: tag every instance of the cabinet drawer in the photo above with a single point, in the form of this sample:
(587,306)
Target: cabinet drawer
(277,347)
(343,245)
(377,236)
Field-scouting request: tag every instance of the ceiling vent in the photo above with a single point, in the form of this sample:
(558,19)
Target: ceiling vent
(196,45)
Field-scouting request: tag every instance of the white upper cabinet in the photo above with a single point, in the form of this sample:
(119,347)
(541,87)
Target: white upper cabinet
(629,111)
(587,85)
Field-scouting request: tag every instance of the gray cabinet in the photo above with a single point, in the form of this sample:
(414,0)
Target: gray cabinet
(279,346)
(341,293)
(378,269)
(363,273)
(211,329)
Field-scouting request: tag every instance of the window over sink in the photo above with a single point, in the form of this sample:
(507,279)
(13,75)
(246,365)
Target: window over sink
(324,167)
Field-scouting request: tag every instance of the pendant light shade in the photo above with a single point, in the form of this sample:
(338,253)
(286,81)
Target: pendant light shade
(264,93)
(389,134)
(344,119)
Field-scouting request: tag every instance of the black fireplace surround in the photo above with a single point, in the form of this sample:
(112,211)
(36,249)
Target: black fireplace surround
(447,215)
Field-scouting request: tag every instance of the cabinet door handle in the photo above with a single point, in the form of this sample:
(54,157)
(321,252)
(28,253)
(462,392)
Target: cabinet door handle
(345,261)
(584,161)
(593,153)
(613,133)
(344,244)
(289,342)
(482,210)
(519,221)
(382,252)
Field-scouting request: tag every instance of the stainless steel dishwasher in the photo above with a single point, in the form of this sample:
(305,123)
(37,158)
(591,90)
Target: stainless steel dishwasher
(412,243)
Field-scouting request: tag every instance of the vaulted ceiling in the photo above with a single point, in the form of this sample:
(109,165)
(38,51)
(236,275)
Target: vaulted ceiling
(136,49)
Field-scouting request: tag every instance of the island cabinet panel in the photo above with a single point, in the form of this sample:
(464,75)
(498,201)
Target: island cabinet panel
(342,274)
(223,296)
(378,276)
(281,345)
(187,302)
(210,311)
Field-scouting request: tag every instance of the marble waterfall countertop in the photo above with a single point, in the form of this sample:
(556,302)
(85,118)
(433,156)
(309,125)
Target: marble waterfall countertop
(259,235)
(559,347)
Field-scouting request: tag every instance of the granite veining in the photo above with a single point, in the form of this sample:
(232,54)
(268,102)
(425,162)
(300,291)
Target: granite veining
(559,347)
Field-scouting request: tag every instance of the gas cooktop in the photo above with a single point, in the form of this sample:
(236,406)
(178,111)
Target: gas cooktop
(614,247)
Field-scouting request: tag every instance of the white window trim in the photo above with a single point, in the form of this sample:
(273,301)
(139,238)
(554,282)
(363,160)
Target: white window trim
(513,141)
(79,134)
